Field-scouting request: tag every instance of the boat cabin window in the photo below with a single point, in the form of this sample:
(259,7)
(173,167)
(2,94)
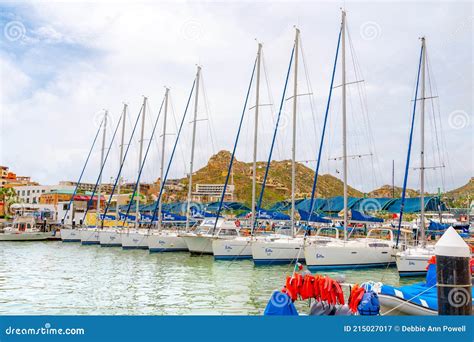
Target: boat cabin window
(329,232)
(228,232)
(378,245)
(203,230)
(380,234)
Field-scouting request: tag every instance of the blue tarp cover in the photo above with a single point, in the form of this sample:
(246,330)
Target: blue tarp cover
(413,205)
(358,216)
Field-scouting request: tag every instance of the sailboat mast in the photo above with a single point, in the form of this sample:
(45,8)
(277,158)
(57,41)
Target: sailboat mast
(293,146)
(122,141)
(102,162)
(344,123)
(190,183)
(393,178)
(422,144)
(255,134)
(140,153)
(163,144)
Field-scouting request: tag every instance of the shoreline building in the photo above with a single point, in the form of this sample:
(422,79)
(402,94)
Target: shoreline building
(212,193)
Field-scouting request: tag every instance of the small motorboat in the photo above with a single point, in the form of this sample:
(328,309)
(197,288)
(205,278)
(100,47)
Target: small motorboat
(419,299)
(24,228)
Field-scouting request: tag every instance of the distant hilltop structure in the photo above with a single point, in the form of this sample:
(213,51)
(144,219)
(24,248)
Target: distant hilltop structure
(9,179)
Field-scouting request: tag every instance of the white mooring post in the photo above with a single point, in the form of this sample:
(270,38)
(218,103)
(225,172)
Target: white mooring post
(453,274)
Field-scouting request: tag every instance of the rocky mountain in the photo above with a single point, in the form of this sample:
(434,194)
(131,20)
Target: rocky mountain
(278,185)
(279,181)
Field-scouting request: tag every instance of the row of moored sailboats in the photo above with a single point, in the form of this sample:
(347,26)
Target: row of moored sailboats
(315,240)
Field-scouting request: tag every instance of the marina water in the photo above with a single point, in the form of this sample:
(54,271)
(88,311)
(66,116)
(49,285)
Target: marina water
(56,278)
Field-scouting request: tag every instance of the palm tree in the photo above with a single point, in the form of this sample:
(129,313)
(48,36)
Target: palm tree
(8,197)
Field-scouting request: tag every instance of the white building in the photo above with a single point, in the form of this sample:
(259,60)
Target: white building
(212,192)
(31,193)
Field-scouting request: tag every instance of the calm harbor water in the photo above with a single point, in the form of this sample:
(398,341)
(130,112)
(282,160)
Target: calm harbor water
(55,278)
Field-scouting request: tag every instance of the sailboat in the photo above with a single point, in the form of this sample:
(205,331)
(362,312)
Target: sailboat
(413,260)
(228,244)
(199,241)
(90,235)
(277,249)
(111,236)
(168,239)
(376,249)
(71,233)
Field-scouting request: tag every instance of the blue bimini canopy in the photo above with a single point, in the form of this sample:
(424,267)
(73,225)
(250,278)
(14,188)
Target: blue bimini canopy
(358,216)
(315,217)
(413,205)
(336,204)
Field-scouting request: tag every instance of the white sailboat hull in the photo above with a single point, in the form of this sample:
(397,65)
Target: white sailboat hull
(199,244)
(232,249)
(110,238)
(70,235)
(135,239)
(278,251)
(28,236)
(89,236)
(413,261)
(349,254)
(166,242)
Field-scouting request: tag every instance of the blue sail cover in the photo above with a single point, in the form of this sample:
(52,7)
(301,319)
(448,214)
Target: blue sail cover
(127,217)
(227,206)
(106,217)
(315,217)
(166,217)
(358,216)
(196,213)
(172,217)
(437,227)
(271,215)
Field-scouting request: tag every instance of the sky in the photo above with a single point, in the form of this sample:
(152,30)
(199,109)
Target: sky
(63,63)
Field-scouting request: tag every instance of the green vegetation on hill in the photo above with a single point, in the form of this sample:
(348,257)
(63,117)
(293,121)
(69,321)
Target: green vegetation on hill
(278,183)
(278,186)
